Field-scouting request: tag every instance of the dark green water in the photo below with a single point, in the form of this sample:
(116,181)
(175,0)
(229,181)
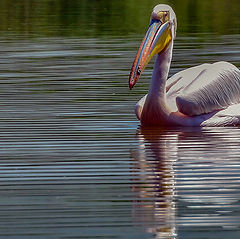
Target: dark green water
(74,162)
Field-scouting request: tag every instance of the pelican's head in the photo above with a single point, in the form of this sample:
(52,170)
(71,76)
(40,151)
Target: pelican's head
(161,31)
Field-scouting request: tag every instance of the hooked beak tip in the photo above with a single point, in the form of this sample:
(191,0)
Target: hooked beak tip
(130,85)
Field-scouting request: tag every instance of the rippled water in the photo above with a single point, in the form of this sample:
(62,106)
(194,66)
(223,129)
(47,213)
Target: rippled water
(76,164)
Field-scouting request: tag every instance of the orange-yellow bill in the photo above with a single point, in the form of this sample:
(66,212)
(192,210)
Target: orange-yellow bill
(156,39)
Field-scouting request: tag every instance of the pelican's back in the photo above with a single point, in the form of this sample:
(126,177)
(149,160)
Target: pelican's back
(217,86)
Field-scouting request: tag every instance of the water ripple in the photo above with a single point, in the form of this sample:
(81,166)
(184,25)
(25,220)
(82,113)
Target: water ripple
(75,163)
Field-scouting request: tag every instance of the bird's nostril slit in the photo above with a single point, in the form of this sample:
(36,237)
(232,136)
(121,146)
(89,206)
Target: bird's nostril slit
(139,71)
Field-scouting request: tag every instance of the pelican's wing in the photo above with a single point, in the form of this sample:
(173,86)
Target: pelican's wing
(204,88)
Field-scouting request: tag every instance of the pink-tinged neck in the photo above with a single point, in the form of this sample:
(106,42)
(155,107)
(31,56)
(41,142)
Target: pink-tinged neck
(155,110)
(160,73)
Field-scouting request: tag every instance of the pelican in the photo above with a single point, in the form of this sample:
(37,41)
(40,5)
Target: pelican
(204,95)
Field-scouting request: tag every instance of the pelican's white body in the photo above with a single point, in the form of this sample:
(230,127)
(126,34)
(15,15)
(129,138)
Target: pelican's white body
(205,95)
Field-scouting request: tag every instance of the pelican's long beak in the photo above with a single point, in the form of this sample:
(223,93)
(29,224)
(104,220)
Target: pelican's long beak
(157,38)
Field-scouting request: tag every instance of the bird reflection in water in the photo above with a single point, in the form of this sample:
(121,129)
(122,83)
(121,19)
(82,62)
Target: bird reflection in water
(206,166)
(155,159)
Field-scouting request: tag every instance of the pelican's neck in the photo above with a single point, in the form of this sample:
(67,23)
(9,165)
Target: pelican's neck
(160,74)
(155,110)
(159,77)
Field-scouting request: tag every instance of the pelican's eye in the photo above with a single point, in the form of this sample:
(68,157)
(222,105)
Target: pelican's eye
(163,16)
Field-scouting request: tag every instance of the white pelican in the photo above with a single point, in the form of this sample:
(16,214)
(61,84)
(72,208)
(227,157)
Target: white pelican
(205,95)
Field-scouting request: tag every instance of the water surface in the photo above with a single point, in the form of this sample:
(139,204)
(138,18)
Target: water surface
(74,161)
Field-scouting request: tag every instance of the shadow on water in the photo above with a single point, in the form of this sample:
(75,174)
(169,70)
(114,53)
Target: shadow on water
(188,181)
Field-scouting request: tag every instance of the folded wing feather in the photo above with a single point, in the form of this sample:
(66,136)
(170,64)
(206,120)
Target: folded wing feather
(205,88)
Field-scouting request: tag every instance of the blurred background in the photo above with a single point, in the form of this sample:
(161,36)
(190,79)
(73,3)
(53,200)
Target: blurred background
(98,18)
